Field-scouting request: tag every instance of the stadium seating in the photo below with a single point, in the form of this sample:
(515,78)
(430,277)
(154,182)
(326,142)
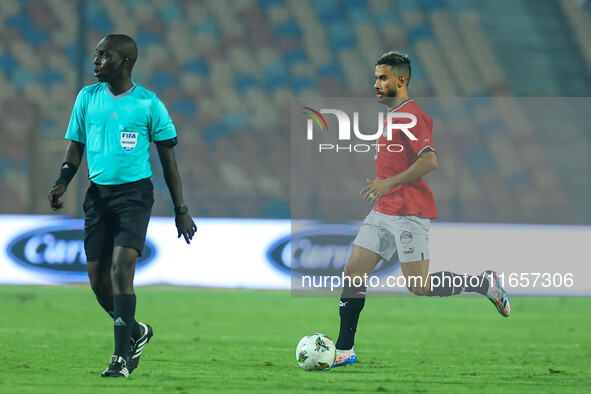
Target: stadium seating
(227,71)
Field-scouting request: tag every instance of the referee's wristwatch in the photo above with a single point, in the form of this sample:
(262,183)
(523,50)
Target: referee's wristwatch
(181,209)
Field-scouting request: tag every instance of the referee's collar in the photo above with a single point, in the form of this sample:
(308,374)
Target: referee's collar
(120,95)
(404,102)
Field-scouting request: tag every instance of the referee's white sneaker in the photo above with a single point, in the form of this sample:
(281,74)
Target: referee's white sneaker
(496,294)
(344,357)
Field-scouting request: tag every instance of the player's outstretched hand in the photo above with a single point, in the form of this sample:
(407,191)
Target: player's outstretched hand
(185,226)
(55,195)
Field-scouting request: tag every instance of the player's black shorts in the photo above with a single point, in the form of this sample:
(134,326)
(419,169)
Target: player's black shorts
(116,215)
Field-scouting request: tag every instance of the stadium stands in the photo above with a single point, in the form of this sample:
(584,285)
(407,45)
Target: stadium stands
(227,71)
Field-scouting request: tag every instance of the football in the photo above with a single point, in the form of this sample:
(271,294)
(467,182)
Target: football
(315,352)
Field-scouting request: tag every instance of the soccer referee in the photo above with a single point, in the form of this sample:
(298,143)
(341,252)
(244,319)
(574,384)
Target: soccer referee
(117,120)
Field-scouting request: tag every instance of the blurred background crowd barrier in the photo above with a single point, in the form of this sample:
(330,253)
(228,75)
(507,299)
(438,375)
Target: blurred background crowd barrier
(227,71)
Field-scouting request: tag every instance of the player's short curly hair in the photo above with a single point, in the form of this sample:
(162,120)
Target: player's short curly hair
(399,63)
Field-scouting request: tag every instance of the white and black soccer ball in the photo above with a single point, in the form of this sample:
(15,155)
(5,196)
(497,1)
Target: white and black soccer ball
(315,352)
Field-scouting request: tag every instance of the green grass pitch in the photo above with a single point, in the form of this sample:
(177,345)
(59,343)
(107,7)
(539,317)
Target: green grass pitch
(57,339)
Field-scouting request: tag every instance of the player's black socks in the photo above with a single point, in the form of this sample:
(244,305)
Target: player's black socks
(350,306)
(123,323)
(477,284)
(107,304)
(445,284)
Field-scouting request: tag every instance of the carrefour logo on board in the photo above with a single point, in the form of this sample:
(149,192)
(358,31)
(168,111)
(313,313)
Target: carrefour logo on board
(59,250)
(322,250)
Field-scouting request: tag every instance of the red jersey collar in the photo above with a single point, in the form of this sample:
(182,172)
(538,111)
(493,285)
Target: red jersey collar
(400,106)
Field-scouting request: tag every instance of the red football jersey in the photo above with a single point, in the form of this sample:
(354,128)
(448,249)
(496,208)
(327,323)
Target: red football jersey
(413,198)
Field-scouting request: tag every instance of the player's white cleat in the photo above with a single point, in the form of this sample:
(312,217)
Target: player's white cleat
(496,294)
(344,357)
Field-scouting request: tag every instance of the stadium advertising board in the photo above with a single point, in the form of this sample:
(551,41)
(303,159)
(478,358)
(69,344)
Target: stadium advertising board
(321,249)
(58,249)
(261,254)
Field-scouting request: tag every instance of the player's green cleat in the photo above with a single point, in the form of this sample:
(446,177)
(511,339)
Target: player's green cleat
(117,368)
(344,357)
(496,294)
(136,346)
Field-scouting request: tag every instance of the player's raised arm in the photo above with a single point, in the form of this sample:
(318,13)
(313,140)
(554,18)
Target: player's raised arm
(69,167)
(184,223)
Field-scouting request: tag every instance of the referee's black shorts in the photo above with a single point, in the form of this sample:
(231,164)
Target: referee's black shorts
(116,215)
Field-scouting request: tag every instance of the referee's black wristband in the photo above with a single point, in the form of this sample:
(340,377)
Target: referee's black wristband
(66,174)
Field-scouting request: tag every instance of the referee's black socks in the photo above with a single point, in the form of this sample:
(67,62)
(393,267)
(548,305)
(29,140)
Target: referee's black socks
(123,324)
(107,304)
(445,284)
(350,306)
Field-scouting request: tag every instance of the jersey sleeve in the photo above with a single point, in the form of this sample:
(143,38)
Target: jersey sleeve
(76,130)
(423,131)
(161,126)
